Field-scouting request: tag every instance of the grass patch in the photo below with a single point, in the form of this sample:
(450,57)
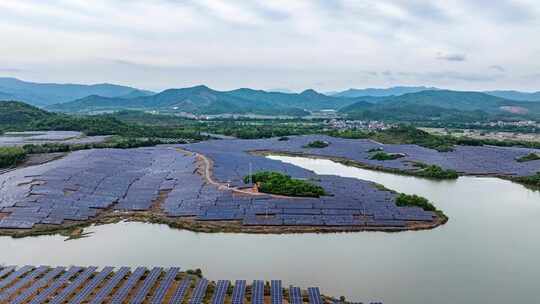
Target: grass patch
(528,157)
(281,184)
(11,156)
(386,156)
(319,144)
(533,180)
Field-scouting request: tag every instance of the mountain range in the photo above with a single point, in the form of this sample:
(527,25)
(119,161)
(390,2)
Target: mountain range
(396,103)
(43,94)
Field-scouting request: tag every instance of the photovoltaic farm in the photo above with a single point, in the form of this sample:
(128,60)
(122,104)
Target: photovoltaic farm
(174,183)
(44,284)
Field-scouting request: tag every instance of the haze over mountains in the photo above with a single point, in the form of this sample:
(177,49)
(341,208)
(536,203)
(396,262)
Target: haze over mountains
(392,103)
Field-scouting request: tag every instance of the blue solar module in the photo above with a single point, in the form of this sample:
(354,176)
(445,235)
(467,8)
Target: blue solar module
(314,295)
(14,275)
(257,292)
(276,292)
(75,284)
(180,292)
(295,295)
(164,285)
(147,285)
(122,293)
(220,292)
(8,292)
(37,285)
(55,285)
(239,292)
(106,290)
(199,292)
(7,270)
(81,295)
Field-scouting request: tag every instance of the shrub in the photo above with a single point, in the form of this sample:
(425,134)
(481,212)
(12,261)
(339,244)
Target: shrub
(281,184)
(528,157)
(317,144)
(11,156)
(386,156)
(414,200)
(434,171)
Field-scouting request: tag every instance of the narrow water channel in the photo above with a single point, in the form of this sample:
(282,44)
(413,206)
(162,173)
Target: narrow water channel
(488,252)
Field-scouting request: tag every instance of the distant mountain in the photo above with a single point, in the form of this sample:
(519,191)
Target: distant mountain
(43,94)
(375,92)
(196,100)
(16,113)
(5,96)
(516,95)
(442,104)
(308,99)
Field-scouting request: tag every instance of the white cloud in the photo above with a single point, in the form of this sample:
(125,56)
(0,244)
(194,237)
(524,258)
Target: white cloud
(267,44)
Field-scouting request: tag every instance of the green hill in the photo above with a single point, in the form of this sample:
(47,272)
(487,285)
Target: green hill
(14,113)
(442,105)
(196,100)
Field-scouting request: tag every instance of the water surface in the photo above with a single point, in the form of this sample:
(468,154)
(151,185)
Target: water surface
(487,253)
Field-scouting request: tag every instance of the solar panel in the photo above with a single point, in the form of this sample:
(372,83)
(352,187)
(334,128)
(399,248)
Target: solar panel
(81,295)
(122,293)
(5,271)
(221,292)
(14,275)
(257,292)
(314,295)
(147,284)
(164,285)
(44,295)
(62,296)
(105,290)
(37,285)
(295,295)
(276,292)
(239,292)
(180,292)
(8,292)
(199,292)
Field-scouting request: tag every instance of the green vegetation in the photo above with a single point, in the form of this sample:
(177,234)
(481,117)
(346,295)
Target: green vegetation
(434,171)
(528,157)
(404,200)
(281,184)
(386,156)
(283,138)
(375,150)
(318,144)
(11,156)
(533,180)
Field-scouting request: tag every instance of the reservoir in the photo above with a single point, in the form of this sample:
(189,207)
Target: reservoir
(488,252)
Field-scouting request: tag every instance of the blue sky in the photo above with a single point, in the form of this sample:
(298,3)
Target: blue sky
(326,45)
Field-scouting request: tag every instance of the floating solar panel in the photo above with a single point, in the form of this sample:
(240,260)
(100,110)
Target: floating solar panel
(164,285)
(88,288)
(180,292)
(27,293)
(14,275)
(257,292)
(64,294)
(8,292)
(199,292)
(122,293)
(147,284)
(220,292)
(239,292)
(314,295)
(295,295)
(110,285)
(55,285)
(276,292)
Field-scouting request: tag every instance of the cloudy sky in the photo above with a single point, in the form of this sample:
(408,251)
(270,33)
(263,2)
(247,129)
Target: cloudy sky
(274,44)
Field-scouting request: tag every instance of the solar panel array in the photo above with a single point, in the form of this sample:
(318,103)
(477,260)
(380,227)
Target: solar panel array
(45,284)
(80,186)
